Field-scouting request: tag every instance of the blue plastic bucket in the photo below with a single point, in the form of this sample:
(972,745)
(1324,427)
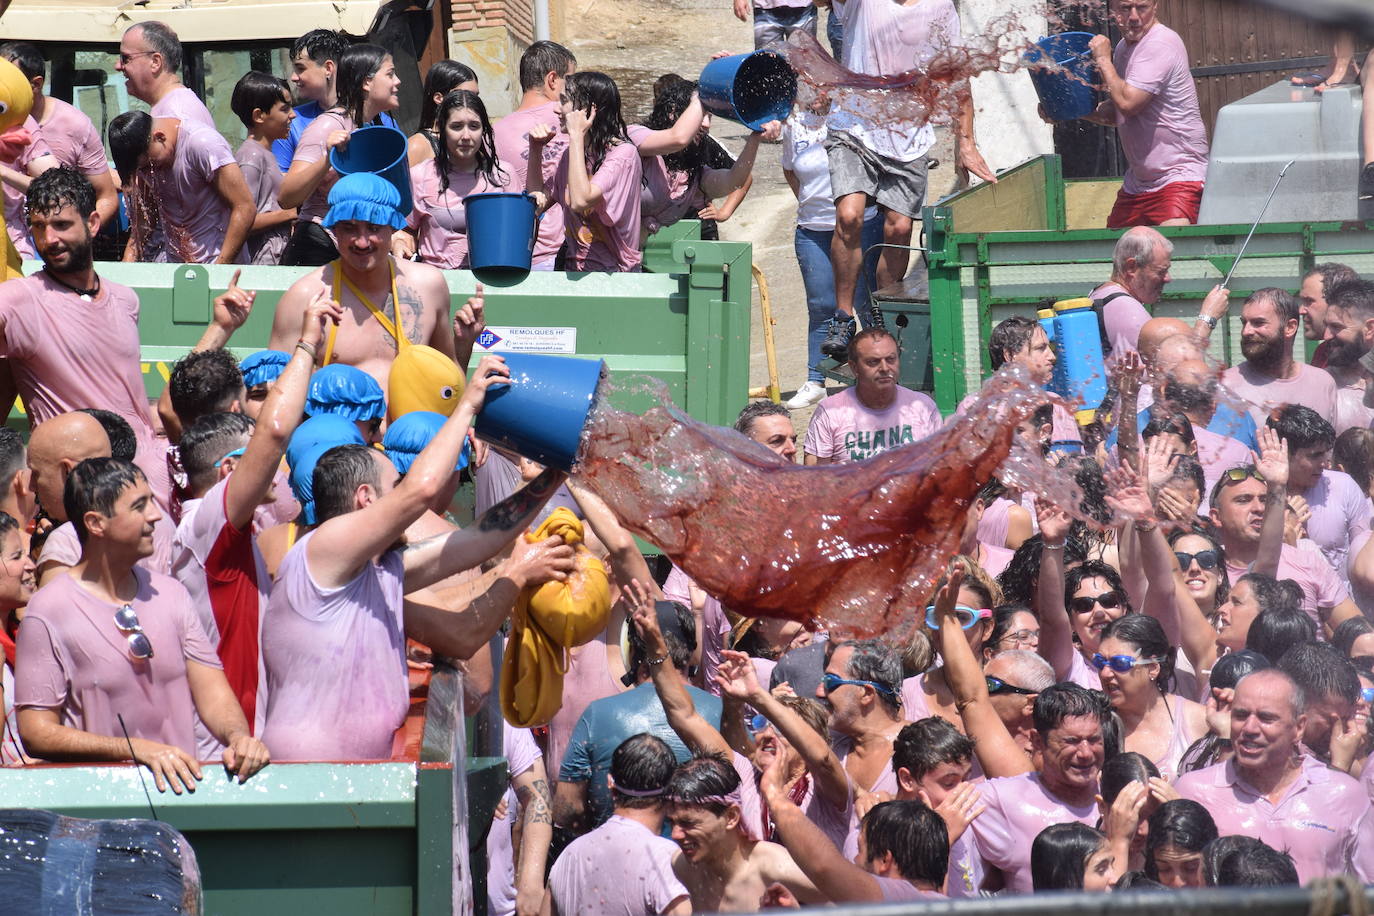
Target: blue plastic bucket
(540,415)
(379,149)
(1064,95)
(752,89)
(501,230)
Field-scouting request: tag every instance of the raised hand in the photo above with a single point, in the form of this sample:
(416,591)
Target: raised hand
(948,596)
(1160,462)
(1295,517)
(1273,457)
(1054,522)
(321,311)
(470,320)
(233,306)
(540,134)
(492,370)
(1127,374)
(639,603)
(737,678)
(578,122)
(1126,494)
(1123,819)
(963,803)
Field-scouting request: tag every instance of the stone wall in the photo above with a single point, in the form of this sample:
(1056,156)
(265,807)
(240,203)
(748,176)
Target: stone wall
(490,36)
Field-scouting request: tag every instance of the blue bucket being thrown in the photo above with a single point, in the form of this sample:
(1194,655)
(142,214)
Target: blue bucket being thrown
(379,149)
(501,231)
(540,414)
(752,89)
(1067,93)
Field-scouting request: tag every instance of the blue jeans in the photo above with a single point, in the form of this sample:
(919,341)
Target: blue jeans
(818,278)
(834,33)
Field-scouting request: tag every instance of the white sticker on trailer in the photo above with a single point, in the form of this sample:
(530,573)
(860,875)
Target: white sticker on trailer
(528,340)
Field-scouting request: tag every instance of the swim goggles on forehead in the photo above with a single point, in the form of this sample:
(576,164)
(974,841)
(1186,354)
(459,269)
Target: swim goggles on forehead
(1121,663)
(968,616)
(831,682)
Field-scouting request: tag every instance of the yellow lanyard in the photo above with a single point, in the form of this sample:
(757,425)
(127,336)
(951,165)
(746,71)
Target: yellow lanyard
(386,323)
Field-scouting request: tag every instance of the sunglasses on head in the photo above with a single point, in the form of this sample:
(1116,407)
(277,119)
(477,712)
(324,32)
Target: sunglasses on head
(997,687)
(126,619)
(968,616)
(1083,604)
(831,682)
(1121,663)
(1206,559)
(1236,475)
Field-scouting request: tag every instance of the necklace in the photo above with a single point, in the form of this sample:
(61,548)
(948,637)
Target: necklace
(85,294)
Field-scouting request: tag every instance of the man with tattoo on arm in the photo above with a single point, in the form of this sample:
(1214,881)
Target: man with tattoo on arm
(517,886)
(336,623)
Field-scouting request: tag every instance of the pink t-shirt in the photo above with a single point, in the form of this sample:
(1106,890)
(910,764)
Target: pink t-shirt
(843,429)
(715,626)
(72,138)
(440,220)
(1323,819)
(1018,808)
(16,221)
(63,547)
(608,237)
(521,754)
(263,177)
(1363,599)
(312,149)
(336,662)
(1311,387)
(1216,453)
(194,216)
(666,197)
(1340,513)
(1165,141)
(901,889)
(72,658)
(619,869)
(512,134)
(1321,586)
(588,680)
(1083,674)
(995,559)
(1122,318)
(185,105)
(1350,410)
(842,826)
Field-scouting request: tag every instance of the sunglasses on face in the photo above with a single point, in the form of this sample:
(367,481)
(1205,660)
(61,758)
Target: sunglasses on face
(757,723)
(1083,604)
(968,616)
(126,619)
(1367,694)
(998,687)
(831,682)
(1121,663)
(1206,559)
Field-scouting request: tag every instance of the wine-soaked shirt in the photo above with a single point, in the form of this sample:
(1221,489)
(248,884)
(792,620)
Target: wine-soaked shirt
(1321,586)
(619,869)
(607,238)
(72,658)
(1323,819)
(194,215)
(843,429)
(184,105)
(263,177)
(512,136)
(1311,387)
(1165,141)
(901,889)
(16,220)
(336,662)
(312,149)
(439,219)
(72,138)
(1340,513)
(1018,808)
(842,825)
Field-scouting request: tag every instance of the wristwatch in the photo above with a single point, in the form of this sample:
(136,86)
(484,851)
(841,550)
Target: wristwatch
(1209,321)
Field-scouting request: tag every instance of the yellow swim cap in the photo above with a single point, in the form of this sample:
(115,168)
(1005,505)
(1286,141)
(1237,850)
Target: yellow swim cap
(422,378)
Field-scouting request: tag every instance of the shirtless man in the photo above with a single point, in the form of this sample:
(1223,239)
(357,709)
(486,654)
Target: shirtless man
(363,216)
(723,870)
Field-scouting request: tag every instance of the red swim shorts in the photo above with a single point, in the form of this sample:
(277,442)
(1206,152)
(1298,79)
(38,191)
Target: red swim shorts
(1176,200)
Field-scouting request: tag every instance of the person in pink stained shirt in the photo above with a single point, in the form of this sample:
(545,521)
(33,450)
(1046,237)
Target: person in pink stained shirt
(512,890)
(544,69)
(111,647)
(187,171)
(874,416)
(625,866)
(21,164)
(1272,791)
(597,180)
(1069,745)
(934,761)
(1270,377)
(1152,103)
(150,57)
(465,164)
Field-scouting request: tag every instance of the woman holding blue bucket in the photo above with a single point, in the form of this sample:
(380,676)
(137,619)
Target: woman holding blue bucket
(368,86)
(598,177)
(466,164)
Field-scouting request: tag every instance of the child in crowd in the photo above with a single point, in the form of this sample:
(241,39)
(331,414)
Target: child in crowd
(263,103)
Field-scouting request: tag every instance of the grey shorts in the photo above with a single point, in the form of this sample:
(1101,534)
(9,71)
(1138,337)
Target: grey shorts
(855,169)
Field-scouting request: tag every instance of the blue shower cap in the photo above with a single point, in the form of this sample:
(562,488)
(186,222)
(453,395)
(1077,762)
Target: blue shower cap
(410,433)
(263,367)
(312,439)
(366,197)
(345,391)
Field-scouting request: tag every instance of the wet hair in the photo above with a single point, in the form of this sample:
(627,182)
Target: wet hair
(320,45)
(1255,864)
(1189,469)
(26,56)
(358,64)
(1066,700)
(1274,631)
(202,382)
(1200,531)
(1138,881)
(1353,453)
(1183,395)
(873,332)
(1353,295)
(160,38)
(1113,730)
(1140,246)
(756,410)
(1060,854)
(1163,424)
(976,580)
(1266,592)
(541,59)
(1087,474)
(1292,593)
(123,441)
(1219,849)
(925,744)
(129,135)
(1018,580)
(95,485)
(1233,666)
(642,763)
(589,89)
(443,77)
(1094,569)
(13,455)
(1303,427)
(207,440)
(670,102)
(1182,823)
(873,660)
(1285,303)
(488,165)
(337,476)
(913,834)
(1344,636)
(703,781)
(1332,274)
(1122,770)
(1009,338)
(1321,670)
(1002,617)
(1147,635)
(681,640)
(258,91)
(61,187)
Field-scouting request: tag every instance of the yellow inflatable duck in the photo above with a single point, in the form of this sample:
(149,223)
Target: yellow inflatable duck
(16,100)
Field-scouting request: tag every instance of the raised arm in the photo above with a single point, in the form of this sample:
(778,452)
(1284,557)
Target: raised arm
(303,177)
(720,182)
(1056,636)
(1127,99)
(626,560)
(673,139)
(1273,466)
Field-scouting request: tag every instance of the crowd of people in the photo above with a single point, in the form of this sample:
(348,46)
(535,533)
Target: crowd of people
(1167,685)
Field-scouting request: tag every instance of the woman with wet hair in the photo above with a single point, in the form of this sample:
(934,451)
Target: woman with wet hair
(1126,777)
(929,694)
(1073,857)
(444,77)
(1179,831)
(1355,638)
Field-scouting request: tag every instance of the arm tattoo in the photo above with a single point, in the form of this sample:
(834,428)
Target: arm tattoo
(411,308)
(536,800)
(515,510)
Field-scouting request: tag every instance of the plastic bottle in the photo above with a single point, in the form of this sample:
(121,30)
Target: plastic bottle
(1079,372)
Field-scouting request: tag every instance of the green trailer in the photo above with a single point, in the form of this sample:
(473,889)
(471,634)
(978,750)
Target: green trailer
(998,250)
